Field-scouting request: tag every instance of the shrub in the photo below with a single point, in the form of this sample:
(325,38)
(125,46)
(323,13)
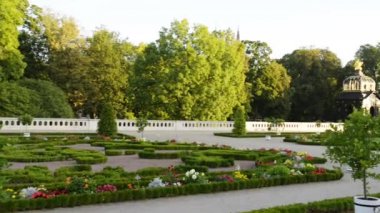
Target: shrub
(107,124)
(239,121)
(78,185)
(278,171)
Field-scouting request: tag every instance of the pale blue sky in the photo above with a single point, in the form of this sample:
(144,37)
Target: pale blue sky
(339,25)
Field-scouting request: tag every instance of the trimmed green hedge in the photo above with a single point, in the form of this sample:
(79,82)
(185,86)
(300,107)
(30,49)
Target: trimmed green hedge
(113,152)
(158,155)
(209,161)
(235,154)
(85,156)
(345,204)
(141,146)
(125,195)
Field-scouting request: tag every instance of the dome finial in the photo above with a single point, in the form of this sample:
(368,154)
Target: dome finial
(358,65)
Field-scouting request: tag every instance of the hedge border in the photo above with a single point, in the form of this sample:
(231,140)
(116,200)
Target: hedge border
(147,193)
(329,205)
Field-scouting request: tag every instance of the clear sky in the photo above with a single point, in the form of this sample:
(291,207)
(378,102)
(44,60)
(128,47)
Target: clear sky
(339,25)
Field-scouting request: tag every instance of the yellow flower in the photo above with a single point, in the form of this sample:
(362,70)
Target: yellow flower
(9,190)
(86,186)
(240,176)
(68,180)
(13,196)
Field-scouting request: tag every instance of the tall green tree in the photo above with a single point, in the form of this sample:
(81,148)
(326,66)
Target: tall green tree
(12,14)
(34,44)
(370,56)
(191,74)
(269,82)
(109,68)
(314,85)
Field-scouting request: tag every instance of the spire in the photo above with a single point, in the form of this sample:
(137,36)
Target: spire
(238,35)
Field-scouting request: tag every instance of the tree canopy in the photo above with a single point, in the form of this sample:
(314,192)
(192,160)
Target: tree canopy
(12,14)
(268,80)
(314,83)
(190,73)
(370,56)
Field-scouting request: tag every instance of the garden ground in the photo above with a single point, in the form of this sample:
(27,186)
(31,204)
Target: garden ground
(234,201)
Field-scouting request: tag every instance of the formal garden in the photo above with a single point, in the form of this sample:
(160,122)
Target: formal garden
(199,169)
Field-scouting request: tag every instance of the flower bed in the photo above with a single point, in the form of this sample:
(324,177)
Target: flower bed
(109,193)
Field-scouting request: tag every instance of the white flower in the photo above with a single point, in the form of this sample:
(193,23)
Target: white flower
(187,174)
(137,177)
(156,182)
(194,177)
(196,173)
(192,171)
(28,192)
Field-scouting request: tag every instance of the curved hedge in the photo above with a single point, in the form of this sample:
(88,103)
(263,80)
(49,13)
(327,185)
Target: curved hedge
(113,152)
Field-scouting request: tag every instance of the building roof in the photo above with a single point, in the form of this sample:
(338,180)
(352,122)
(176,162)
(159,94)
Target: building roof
(355,95)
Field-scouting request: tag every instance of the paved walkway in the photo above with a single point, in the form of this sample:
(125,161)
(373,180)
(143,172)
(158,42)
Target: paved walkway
(234,201)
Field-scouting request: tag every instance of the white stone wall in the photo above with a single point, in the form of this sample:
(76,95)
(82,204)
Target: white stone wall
(62,125)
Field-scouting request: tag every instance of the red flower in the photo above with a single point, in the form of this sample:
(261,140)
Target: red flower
(107,188)
(309,158)
(40,195)
(319,171)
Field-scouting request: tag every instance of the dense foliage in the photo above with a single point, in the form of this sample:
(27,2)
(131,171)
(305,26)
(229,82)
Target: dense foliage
(314,83)
(189,72)
(12,13)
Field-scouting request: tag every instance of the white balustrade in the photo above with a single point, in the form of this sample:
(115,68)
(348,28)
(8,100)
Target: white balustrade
(63,125)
